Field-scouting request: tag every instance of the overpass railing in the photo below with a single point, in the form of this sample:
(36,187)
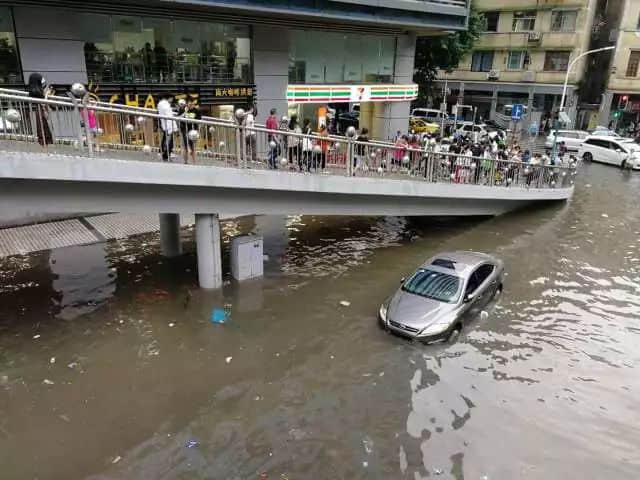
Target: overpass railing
(70,128)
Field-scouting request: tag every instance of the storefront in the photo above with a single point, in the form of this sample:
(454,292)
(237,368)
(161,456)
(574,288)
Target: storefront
(341,106)
(129,59)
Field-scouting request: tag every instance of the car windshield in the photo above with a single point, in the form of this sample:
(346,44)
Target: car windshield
(432,284)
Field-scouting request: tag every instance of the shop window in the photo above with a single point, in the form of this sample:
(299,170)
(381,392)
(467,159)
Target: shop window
(564,21)
(524,21)
(556,61)
(9,63)
(330,57)
(140,49)
(634,62)
(518,60)
(482,61)
(492,19)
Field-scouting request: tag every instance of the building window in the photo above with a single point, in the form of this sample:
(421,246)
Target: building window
(518,60)
(328,57)
(556,61)
(634,62)
(9,63)
(482,61)
(492,21)
(524,21)
(139,49)
(564,21)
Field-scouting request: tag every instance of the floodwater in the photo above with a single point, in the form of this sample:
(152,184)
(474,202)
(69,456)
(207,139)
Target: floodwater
(110,367)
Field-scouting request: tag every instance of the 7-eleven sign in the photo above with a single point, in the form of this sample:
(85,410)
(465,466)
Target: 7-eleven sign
(360,93)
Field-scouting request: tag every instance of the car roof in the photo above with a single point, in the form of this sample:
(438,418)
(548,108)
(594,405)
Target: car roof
(463,262)
(606,137)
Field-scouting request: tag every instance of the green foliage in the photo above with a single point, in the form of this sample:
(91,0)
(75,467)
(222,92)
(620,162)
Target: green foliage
(445,52)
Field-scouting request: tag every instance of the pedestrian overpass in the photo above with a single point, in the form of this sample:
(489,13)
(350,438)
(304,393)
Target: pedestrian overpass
(116,167)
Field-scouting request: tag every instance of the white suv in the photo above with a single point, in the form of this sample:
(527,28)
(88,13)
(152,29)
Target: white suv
(621,152)
(571,138)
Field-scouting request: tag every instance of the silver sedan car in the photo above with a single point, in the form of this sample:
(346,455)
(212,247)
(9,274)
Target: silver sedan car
(434,303)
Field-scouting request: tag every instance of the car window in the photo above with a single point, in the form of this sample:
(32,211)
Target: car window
(483,272)
(439,286)
(598,143)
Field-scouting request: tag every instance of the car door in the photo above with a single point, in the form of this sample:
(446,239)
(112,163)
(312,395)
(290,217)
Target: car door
(600,150)
(480,286)
(618,153)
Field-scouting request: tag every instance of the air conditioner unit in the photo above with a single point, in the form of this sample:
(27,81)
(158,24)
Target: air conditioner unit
(493,75)
(535,36)
(529,77)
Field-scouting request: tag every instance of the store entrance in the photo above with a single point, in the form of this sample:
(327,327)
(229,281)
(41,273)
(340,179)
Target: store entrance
(338,117)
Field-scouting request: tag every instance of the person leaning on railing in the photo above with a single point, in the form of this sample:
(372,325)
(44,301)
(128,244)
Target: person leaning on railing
(38,88)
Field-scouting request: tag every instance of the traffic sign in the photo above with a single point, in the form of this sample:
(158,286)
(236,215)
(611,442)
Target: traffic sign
(517,111)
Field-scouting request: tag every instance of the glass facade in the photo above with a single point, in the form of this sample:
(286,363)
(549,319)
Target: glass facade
(336,58)
(9,62)
(139,49)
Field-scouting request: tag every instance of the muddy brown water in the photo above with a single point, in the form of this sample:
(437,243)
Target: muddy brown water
(109,365)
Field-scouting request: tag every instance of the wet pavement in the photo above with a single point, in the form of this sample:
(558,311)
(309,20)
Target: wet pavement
(111,369)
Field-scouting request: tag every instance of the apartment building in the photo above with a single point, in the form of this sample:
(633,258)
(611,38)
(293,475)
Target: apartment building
(620,105)
(523,57)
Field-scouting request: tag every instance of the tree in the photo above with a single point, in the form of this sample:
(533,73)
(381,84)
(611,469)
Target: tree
(444,52)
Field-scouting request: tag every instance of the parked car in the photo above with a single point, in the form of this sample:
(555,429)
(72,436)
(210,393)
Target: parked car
(571,138)
(430,115)
(442,295)
(479,131)
(617,151)
(604,132)
(417,125)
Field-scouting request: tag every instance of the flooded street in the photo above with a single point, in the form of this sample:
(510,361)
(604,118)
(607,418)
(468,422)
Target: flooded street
(110,367)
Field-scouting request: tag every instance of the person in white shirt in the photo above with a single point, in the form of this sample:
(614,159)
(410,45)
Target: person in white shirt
(168,126)
(249,135)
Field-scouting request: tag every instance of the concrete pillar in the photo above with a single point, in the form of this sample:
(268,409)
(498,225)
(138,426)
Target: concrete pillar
(170,235)
(389,117)
(461,94)
(530,117)
(366,115)
(208,250)
(271,69)
(605,108)
(494,104)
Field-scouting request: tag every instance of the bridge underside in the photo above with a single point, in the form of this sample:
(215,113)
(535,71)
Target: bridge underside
(39,183)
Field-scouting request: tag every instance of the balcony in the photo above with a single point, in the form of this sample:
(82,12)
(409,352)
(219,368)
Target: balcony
(508,76)
(517,40)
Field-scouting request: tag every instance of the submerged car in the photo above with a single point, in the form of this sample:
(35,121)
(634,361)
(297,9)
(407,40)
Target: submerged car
(441,296)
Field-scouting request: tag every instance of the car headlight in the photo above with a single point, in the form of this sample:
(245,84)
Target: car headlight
(383,312)
(435,329)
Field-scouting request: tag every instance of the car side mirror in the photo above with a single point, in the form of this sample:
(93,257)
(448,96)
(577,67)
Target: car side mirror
(618,150)
(468,297)
(402,280)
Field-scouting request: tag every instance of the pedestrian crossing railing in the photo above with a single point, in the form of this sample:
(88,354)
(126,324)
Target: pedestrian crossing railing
(72,127)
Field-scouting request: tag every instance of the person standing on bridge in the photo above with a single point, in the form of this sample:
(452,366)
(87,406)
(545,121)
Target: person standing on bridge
(167,126)
(251,143)
(38,89)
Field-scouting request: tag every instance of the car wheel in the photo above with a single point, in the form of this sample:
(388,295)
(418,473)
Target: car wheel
(623,165)
(587,157)
(454,334)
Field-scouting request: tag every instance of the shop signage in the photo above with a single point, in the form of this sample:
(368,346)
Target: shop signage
(351,93)
(148,96)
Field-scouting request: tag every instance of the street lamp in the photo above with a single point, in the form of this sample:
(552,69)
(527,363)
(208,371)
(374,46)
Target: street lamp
(564,90)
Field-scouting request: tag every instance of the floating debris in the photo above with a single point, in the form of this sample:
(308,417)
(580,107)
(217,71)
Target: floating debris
(35,337)
(484,315)
(64,418)
(437,471)
(172,325)
(220,315)
(46,381)
(116,460)
(344,303)
(52,360)
(228,359)
(604,215)
(192,444)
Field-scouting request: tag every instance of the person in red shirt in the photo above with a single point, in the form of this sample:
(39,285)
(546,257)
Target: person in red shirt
(272,122)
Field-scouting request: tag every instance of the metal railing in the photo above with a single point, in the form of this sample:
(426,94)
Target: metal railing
(71,128)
